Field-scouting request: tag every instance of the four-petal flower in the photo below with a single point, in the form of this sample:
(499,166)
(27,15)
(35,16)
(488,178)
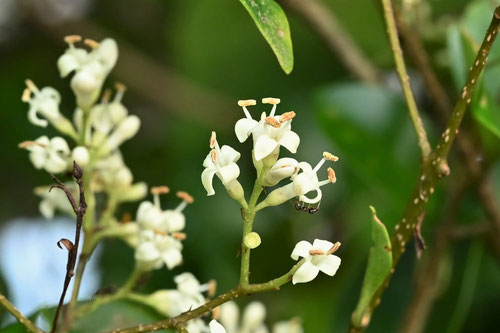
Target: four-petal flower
(318,257)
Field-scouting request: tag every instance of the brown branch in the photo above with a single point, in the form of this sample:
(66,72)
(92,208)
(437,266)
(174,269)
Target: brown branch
(71,247)
(28,324)
(340,43)
(436,167)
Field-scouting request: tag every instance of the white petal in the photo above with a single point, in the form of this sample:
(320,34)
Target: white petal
(290,140)
(207,177)
(327,264)
(215,327)
(38,157)
(243,128)
(147,252)
(301,250)
(175,220)
(33,118)
(322,245)
(307,272)
(253,316)
(228,155)
(229,315)
(172,257)
(55,164)
(46,209)
(228,173)
(264,146)
(66,64)
(59,144)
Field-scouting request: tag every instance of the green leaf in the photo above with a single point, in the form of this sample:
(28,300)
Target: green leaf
(273,24)
(378,268)
(487,113)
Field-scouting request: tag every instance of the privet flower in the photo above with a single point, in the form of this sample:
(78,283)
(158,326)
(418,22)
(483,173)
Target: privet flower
(45,102)
(283,168)
(303,183)
(318,257)
(222,162)
(51,155)
(91,68)
(270,132)
(252,321)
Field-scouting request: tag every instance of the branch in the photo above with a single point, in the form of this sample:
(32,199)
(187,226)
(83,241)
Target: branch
(435,167)
(72,248)
(340,43)
(30,327)
(405,79)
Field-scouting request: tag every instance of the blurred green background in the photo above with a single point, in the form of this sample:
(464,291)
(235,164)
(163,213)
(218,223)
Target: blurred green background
(186,63)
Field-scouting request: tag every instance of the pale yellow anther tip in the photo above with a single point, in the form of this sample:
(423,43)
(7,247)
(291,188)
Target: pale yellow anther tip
(330,157)
(31,85)
(160,190)
(287,115)
(331,175)
(91,43)
(271,100)
(179,235)
(316,252)
(213,155)
(334,248)
(216,313)
(247,102)
(27,144)
(72,39)
(185,196)
(26,95)
(213,139)
(273,122)
(212,288)
(120,86)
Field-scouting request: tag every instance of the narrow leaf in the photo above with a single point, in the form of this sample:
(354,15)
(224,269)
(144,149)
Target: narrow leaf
(378,268)
(273,24)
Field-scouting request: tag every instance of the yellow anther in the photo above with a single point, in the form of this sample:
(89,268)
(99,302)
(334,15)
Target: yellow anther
(334,248)
(316,252)
(247,102)
(106,96)
(287,116)
(214,155)
(185,196)
(27,144)
(273,122)
(213,140)
(331,175)
(26,95)
(330,157)
(31,85)
(159,232)
(271,100)
(179,235)
(212,288)
(156,190)
(216,313)
(72,39)
(91,43)
(120,87)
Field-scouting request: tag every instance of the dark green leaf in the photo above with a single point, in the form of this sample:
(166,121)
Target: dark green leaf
(273,24)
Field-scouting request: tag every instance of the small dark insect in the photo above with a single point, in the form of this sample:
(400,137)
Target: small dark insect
(304,209)
(313,210)
(298,205)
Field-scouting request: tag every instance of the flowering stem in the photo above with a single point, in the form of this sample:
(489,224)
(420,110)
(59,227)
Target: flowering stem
(434,167)
(30,327)
(405,79)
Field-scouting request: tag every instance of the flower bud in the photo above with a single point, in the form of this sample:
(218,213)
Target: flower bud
(66,64)
(254,315)
(86,88)
(124,131)
(235,191)
(81,155)
(283,168)
(252,240)
(134,192)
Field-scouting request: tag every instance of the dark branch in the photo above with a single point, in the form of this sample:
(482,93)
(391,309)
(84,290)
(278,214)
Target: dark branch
(71,247)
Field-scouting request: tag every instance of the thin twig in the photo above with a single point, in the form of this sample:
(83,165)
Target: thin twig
(340,43)
(30,327)
(435,167)
(71,247)
(405,79)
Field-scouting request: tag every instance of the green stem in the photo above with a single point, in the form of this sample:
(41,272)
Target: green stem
(30,327)
(405,79)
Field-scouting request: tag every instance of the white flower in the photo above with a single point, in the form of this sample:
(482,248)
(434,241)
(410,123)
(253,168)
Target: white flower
(252,321)
(91,68)
(303,183)
(55,200)
(289,326)
(270,132)
(215,327)
(220,162)
(156,249)
(123,131)
(196,326)
(49,154)
(318,257)
(283,168)
(46,103)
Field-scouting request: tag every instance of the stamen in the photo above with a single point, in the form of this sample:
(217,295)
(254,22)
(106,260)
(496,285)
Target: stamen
(216,313)
(213,140)
(91,43)
(157,190)
(185,196)
(320,163)
(72,39)
(331,175)
(247,102)
(31,86)
(316,252)
(214,155)
(26,95)
(273,122)
(271,100)
(334,248)
(330,157)
(106,96)
(179,235)
(159,232)
(27,144)
(287,116)
(120,90)
(212,288)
